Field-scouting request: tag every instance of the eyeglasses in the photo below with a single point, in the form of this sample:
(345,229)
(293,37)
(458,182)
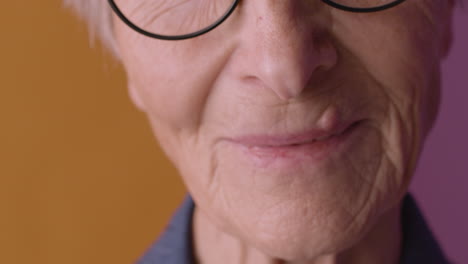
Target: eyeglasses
(184,19)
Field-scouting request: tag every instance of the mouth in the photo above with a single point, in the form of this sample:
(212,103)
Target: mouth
(313,146)
(296,139)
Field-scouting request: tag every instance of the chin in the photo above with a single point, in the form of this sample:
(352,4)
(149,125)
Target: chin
(295,235)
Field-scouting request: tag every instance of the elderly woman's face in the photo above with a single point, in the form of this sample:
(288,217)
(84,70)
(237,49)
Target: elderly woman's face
(294,125)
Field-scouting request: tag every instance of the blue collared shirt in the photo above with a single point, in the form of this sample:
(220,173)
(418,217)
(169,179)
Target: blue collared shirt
(175,244)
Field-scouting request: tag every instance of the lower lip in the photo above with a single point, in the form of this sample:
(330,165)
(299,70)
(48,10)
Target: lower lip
(287,155)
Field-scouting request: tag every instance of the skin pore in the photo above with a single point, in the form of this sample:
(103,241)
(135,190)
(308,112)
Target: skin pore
(279,68)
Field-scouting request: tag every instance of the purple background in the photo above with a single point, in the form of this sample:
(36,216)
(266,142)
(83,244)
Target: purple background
(441,182)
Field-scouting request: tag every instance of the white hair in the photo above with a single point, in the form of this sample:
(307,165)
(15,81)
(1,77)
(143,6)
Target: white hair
(98,15)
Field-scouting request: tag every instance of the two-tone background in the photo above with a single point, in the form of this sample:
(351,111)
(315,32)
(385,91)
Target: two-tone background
(82,181)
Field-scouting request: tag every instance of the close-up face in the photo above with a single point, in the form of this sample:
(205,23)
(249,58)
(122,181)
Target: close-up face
(295,125)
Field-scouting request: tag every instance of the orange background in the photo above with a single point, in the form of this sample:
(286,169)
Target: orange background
(81,178)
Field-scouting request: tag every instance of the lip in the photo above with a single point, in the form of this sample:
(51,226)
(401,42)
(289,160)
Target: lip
(265,150)
(282,140)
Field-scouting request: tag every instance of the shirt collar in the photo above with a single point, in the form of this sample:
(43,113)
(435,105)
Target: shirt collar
(175,244)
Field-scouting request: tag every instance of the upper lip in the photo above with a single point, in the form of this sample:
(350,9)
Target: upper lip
(279,140)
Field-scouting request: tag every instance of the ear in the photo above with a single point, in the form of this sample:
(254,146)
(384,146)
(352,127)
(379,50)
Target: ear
(135,96)
(446,29)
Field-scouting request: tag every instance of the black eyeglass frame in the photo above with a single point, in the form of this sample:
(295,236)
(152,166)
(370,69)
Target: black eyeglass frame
(231,9)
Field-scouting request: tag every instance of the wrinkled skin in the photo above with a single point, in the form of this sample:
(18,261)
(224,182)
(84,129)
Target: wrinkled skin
(284,66)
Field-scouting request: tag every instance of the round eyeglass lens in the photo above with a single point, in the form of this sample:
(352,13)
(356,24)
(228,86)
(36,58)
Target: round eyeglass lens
(173,17)
(370,5)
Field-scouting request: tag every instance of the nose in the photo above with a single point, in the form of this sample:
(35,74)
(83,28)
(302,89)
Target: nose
(283,45)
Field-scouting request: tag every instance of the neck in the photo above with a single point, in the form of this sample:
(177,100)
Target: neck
(381,244)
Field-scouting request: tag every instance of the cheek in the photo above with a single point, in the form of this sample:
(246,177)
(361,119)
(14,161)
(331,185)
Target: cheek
(399,50)
(174,80)
(170,93)
(167,77)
